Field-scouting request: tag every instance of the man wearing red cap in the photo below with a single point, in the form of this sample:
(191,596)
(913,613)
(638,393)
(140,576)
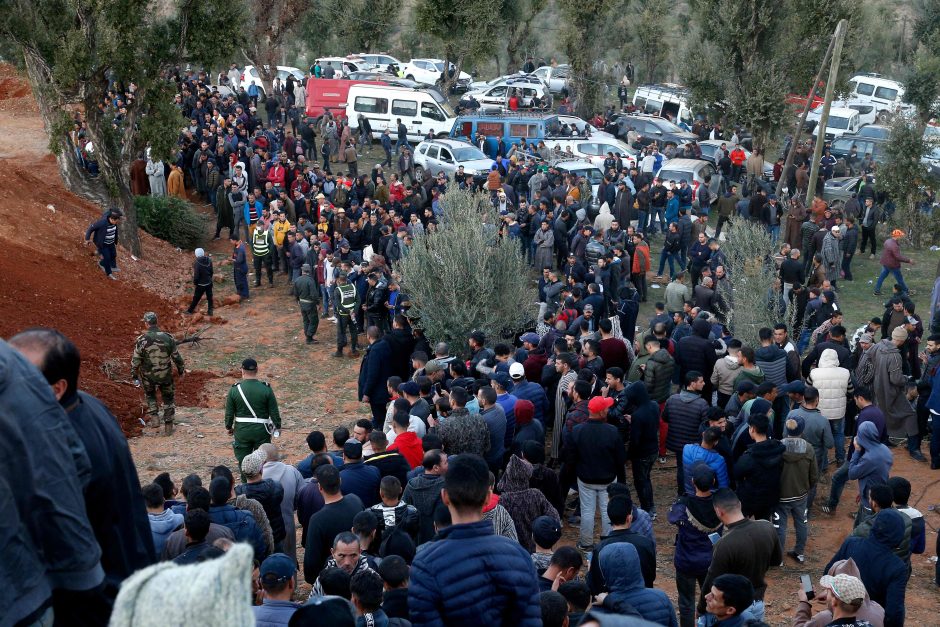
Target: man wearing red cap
(595,452)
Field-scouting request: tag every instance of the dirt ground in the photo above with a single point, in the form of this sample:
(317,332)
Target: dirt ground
(51,279)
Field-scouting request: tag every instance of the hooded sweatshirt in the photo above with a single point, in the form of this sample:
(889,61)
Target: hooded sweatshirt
(644,421)
(758,476)
(872,465)
(161,526)
(694,518)
(620,565)
(882,572)
(833,383)
(870,611)
(800,471)
(523,503)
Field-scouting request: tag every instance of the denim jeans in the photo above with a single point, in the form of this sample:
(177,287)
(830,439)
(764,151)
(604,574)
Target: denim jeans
(593,496)
(935,441)
(641,218)
(839,479)
(838,435)
(325,297)
(658,215)
(642,468)
(798,510)
(670,257)
(822,455)
(885,271)
(685,586)
(803,342)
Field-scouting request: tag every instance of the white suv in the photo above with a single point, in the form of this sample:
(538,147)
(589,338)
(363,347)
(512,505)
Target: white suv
(378,62)
(250,76)
(430,70)
(447,155)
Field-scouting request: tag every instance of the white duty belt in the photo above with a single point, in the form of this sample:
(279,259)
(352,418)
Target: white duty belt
(267,422)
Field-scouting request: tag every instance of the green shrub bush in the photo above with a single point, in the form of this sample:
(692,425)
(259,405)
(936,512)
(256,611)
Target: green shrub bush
(171,219)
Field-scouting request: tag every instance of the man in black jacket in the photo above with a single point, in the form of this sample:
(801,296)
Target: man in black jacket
(643,415)
(595,453)
(696,352)
(758,470)
(620,512)
(104,232)
(202,280)
(374,371)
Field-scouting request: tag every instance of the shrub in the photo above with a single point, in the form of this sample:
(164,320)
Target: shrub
(465,277)
(171,219)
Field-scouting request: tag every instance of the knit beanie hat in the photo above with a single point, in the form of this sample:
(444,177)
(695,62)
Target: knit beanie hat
(216,592)
(524,411)
(899,334)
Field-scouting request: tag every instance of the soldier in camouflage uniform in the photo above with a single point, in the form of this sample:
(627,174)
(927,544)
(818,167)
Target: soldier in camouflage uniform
(155,354)
(251,413)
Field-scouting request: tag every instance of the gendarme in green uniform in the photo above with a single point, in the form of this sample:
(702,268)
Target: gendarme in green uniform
(307,292)
(251,429)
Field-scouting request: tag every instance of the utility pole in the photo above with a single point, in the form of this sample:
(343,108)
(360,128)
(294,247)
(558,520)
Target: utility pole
(799,127)
(824,118)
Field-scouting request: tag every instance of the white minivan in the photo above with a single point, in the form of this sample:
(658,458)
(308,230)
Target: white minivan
(842,121)
(421,110)
(885,94)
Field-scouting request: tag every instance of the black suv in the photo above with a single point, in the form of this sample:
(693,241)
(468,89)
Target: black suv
(651,129)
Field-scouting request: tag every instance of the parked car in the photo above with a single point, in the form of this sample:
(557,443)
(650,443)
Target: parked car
(839,189)
(554,77)
(446,155)
(664,100)
(479,85)
(588,170)
(651,130)
(693,171)
(594,149)
(379,61)
(841,121)
(498,95)
(710,149)
(842,146)
(250,76)
(430,70)
(343,66)
(875,130)
(388,79)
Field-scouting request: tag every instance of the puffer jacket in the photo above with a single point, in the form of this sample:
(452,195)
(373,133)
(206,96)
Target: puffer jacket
(726,371)
(882,572)
(694,518)
(660,368)
(644,421)
(773,361)
(833,383)
(620,565)
(270,494)
(758,475)
(243,527)
(684,412)
(800,471)
(470,576)
(424,492)
(872,465)
(523,503)
(693,454)
(696,351)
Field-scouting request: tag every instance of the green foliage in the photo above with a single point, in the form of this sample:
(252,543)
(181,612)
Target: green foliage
(752,54)
(366,24)
(922,88)
(464,277)
(172,219)
(465,31)
(747,249)
(903,177)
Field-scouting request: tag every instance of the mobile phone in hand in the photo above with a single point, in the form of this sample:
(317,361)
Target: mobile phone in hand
(807,587)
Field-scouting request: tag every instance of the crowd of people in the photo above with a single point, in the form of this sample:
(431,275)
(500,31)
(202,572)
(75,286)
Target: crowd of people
(446,505)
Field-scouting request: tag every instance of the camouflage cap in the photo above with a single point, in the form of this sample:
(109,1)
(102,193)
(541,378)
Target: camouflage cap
(150,317)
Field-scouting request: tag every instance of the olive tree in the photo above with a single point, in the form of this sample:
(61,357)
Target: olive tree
(751,273)
(466,276)
(905,178)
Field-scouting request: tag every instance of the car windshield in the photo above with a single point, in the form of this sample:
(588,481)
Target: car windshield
(673,175)
(836,121)
(469,153)
(668,127)
(869,131)
(439,66)
(593,175)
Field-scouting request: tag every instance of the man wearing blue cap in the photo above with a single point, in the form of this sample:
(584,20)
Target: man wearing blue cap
(277,581)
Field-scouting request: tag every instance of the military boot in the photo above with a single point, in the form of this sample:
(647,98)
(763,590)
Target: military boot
(168,414)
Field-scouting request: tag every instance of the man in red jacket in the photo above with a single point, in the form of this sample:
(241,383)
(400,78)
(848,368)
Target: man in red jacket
(891,260)
(406,442)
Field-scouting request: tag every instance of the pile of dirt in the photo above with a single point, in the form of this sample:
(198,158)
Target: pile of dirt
(16,95)
(52,278)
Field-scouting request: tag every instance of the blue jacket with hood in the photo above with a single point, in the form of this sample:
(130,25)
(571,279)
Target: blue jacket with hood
(883,573)
(620,565)
(873,464)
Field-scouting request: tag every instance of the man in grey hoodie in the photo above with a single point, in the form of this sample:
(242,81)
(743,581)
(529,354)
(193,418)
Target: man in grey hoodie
(870,464)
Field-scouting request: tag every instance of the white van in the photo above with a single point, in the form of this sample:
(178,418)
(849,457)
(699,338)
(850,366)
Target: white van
(842,121)
(887,95)
(667,100)
(421,110)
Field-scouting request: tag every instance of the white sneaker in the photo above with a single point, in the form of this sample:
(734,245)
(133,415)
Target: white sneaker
(333,319)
